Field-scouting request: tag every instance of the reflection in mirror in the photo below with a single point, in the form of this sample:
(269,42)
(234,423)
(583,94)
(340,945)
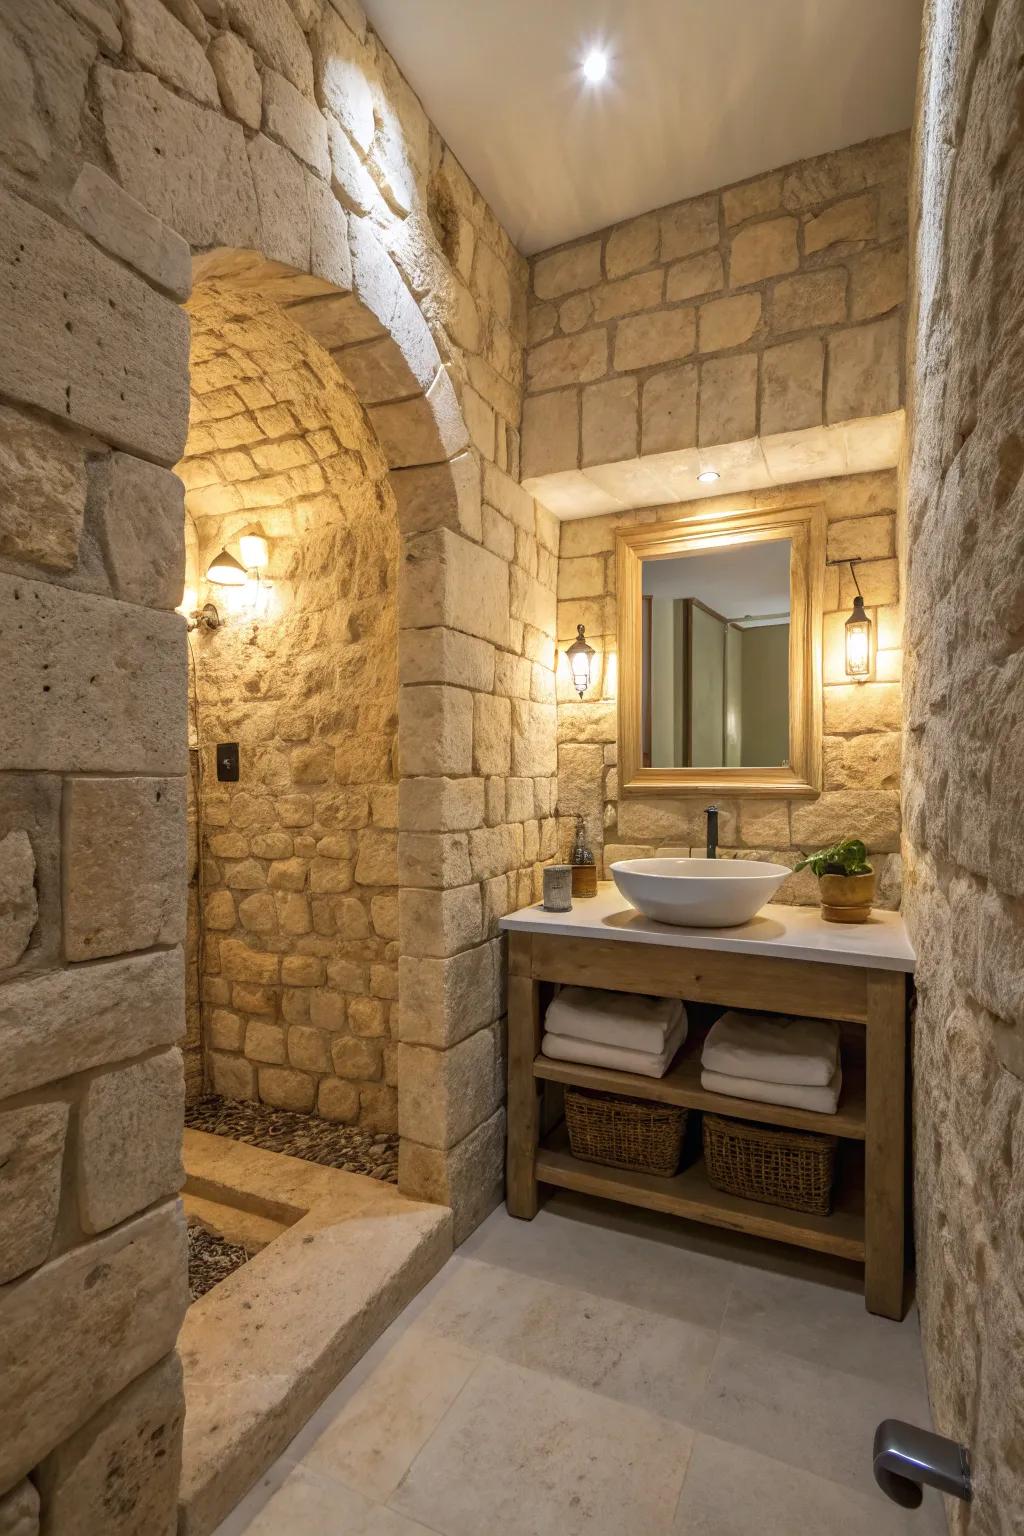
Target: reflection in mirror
(715,639)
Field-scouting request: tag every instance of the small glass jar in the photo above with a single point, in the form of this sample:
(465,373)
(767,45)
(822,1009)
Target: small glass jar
(558,888)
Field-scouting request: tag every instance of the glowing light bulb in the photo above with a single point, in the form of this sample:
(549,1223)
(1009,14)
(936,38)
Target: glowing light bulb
(708,476)
(595,65)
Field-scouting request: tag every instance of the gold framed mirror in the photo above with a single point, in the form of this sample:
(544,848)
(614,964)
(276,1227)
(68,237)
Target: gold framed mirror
(719,642)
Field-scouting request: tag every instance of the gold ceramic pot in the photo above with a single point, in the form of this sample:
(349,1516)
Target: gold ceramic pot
(847,898)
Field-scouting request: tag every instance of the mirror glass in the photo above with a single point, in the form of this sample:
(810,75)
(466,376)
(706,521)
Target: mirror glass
(715,637)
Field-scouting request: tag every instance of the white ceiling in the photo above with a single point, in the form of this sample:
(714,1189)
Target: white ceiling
(746,581)
(700,93)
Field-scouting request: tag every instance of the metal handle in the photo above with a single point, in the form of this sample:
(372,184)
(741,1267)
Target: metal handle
(906,1457)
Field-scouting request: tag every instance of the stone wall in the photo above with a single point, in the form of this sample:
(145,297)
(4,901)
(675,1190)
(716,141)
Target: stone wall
(764,308)
(299,901)
(861,766)
(279,142)
(964,719)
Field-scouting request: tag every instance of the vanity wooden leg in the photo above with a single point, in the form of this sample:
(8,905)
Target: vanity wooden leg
(524,1090)
(884,1147)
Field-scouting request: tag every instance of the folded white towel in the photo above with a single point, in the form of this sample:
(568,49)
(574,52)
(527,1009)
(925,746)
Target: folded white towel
(634,1022)
(773,1050)
(822,1101)
(618,1058)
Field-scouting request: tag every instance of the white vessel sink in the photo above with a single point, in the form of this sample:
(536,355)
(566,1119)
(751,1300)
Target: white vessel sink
(698,893)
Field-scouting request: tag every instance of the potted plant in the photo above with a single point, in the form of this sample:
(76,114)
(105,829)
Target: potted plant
(846,880)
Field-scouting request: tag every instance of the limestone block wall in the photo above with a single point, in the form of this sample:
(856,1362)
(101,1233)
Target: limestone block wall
(298,907)
(765,307)
(277,145)
(964,722)
(861,756)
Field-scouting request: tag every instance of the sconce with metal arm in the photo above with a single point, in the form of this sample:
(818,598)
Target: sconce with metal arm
(858,629)
(580,656)
(246,573)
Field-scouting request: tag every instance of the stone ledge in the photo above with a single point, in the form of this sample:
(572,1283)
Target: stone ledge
(779,459)
(263,1349)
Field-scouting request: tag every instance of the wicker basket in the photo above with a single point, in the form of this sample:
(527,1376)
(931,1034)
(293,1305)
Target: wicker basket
(624,1133)
(794,1169)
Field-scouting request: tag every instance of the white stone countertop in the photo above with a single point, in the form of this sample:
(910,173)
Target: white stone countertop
(796,933)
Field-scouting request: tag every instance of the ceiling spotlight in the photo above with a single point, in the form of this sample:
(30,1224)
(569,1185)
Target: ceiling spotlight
(708,476)
(595,65)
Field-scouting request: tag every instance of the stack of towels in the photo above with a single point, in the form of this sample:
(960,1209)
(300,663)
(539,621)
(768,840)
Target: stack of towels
(774,1061)
(614,1029)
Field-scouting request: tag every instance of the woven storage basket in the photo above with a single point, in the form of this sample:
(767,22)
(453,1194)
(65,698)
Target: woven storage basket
(624,1133)
(794,1169)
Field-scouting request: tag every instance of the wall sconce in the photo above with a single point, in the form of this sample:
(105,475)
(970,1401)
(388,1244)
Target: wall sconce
(859,660)
(244,574)
(195,617)
(580,656)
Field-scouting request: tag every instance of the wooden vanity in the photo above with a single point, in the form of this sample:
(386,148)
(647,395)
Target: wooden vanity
(787,960)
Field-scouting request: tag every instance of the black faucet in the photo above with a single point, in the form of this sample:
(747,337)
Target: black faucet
(711,812)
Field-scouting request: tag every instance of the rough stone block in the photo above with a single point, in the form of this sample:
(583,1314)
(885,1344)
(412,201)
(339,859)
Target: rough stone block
(169,153)
(356,1060)
(567,271)
(728,322)
(124,865)
(67,1021)
(129,1140)
(19,906)
(446,1094)
(695,276)
(763,250)
(72,701)
(609,421)
(338,1100)
(125,228)
(264,1042)
(19,1511)
(119,1473)
(447,581)
(31,1157)
(295,122)
(811,298)
(855,707)
(444,1001)
(159,42)
(791,385)
(492,734)
(238,79)
(644,341)
(534,752)
(468,1177)
(435,731)
(440,496)
(878,281)
(71,1344)
(270,27)
(285,1088)
(863,762)
(343,79)
(632,246)
(140,511)
(280,187)
(566,360)
(440,804)
(752,199)
(864,370)
(689,227)
(436,924)
(42,470)
(87,340)
(853,219)
(610,300)
(728,400)
(873,815)
(669,410)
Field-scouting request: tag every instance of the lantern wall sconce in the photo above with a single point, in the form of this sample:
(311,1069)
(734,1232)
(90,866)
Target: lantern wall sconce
(858,631)
(581,656)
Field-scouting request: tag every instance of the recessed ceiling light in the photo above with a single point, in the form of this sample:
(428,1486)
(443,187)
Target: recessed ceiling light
(708,476)
(595,65)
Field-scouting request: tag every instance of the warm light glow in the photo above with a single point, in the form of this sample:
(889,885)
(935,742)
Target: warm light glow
(858,641)
(708,476)
(595,65)
(254,551)
(189,602)
(226,571)
(580,656)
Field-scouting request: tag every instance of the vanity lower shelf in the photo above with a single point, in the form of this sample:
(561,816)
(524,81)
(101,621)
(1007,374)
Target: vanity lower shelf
(689,1194)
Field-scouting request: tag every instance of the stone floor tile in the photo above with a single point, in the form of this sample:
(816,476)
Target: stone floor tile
(663,1267)
(822,1325)
(732,1491)
(805,1415)
(639,1357)
(307,1505)
(521,1452)
(376,1435)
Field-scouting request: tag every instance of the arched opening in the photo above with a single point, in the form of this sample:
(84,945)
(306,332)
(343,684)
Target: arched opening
(293,917)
